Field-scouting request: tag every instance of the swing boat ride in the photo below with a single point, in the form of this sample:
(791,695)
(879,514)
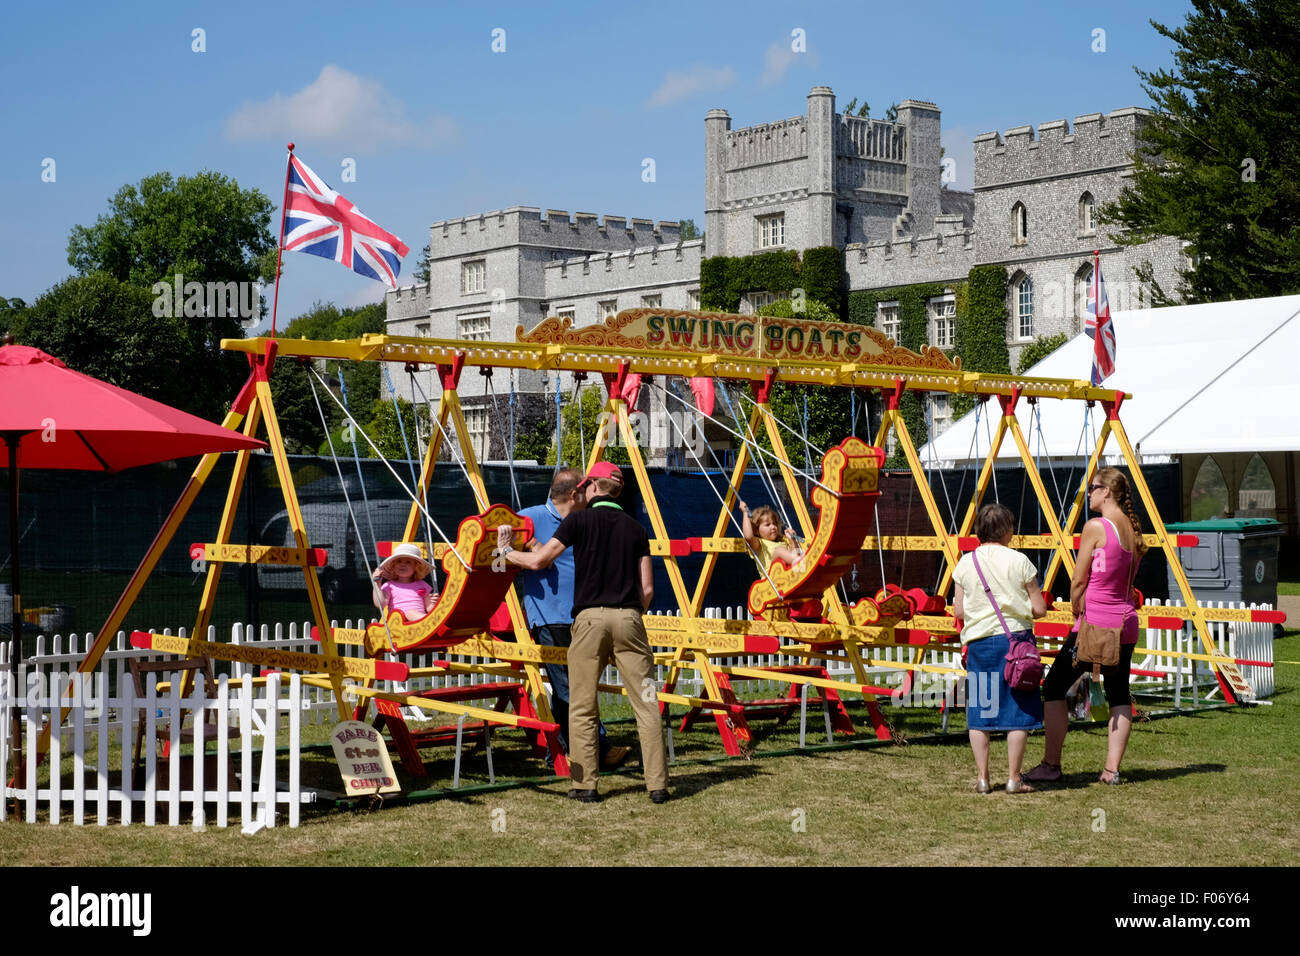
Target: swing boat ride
(796,611)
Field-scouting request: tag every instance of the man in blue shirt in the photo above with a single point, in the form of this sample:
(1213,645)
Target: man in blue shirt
(548,602)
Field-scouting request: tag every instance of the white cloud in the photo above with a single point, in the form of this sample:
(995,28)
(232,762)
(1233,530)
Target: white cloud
(342,108)
(776,61)
(678,86)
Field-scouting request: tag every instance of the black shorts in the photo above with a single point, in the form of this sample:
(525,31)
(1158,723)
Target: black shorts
(1064,673)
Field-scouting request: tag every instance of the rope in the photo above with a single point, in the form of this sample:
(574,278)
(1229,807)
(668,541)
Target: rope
(452,447)
(419,445)
(704,471)
(380,455)
(356,459)
(769,483)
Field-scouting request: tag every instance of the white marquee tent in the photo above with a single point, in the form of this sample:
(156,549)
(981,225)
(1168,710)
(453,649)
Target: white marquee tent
(1219,379)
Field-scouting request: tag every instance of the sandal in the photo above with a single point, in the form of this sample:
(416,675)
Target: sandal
(1114,780)
(1044,773)
(1019,786)
(982,785)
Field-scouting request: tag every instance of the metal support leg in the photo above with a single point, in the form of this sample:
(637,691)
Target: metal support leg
(460,734)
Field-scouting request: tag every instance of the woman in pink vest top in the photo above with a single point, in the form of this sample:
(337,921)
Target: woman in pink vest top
(1102,591)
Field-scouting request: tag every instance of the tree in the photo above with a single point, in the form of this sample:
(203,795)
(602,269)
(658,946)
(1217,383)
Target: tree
(202,226)
(422,273)
(1217,165)
(104,327)
(864,111)
(1039,349)
(580,435)
(689,230)
(291,382)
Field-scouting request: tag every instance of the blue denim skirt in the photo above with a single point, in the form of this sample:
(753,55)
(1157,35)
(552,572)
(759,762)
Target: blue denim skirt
(990,703)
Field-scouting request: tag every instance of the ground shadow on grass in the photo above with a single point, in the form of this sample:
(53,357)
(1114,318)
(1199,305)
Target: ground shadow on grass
(1089,778)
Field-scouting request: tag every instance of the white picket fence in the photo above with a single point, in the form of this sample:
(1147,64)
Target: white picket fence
(96,742)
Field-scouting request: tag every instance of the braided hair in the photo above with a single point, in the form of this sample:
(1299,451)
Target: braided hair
(1117,484)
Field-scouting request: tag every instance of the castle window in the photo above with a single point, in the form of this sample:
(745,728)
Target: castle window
(1019,224)
(422,330)
(474,328)
(887,319)
(1087,213)
(652,301)
(693,299)
(943,322)
(1082,285)
(568,312)
(607,309)
(758,300)
(771,230)
(473,276)
(476,423)
(1025,308)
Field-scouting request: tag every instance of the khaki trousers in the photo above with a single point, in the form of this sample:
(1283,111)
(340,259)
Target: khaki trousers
(599,634)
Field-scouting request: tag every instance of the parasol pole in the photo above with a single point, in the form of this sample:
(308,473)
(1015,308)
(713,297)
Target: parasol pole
(279,250)
(12,439)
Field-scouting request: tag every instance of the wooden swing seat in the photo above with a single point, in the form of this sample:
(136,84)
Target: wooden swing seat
(846,505)
(470,597)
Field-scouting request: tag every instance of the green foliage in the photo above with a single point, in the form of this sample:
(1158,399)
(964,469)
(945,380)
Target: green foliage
(580,435)
(724,279)
(421,273)
(1217,164)
(534,443)
(982,327)
(385,432)
(291,382)
(813,310)
(689,230)
(1039,349)
(105,327)
(862,111)
(203,226)
(891,114)
(862,308)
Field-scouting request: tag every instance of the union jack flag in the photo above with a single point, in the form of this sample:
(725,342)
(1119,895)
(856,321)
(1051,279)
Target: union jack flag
(1100,328)
(320,222)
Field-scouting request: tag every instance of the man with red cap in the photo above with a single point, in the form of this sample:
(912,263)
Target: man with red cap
(613,585)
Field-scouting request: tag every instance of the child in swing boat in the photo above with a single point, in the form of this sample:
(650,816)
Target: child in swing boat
(399,584)
(762,531)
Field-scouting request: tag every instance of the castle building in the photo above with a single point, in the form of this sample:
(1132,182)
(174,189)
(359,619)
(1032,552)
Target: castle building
(873,188)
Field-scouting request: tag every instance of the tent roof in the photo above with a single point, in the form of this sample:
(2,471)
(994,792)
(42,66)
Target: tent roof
(1219,377)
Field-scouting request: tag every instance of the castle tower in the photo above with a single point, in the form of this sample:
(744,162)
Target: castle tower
(716,126)
(921,120)
(820,207)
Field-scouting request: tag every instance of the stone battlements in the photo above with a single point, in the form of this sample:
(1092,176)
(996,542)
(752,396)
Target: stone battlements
(766,143)
(1119,127)
(528,224)
(623,259)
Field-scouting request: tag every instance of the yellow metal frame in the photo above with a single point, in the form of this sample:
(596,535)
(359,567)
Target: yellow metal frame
(694,639)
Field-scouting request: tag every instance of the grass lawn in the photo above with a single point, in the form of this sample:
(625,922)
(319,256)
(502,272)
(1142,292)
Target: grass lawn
(1212,788)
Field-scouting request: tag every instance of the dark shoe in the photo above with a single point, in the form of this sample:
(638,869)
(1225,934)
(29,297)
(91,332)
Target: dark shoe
(614,758)
(584,796)
(659,796)
(1044,773)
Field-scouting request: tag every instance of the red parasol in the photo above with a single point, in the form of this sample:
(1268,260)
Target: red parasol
(53,417)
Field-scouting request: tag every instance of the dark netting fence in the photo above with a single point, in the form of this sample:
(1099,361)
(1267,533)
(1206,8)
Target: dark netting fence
(83,534)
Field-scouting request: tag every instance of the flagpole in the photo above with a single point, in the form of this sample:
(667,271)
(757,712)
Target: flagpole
(279,250)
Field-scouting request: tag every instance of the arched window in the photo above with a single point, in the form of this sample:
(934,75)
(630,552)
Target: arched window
(1087,214)
(1209,492)
(1019,224)
(1025,308)
(1082,283)
(1257,496)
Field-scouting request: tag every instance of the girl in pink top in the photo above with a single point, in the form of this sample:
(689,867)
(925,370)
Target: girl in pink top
(1102,591)
(399,584)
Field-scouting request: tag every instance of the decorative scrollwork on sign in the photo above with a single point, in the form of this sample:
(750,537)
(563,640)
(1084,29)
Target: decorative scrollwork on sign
(557,331)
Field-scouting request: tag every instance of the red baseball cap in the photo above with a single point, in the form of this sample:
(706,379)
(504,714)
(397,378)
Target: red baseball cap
(602,469)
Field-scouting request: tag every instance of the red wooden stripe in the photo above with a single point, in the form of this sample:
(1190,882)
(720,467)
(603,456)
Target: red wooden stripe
(679,546)
(762,645)
(1186,540)
(142,640)
(697,544)
(968,544)
(1165,623)
(1268,617)
(391,670)
(1051,629)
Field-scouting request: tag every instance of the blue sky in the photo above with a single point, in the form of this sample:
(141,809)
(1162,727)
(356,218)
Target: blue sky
(440,125)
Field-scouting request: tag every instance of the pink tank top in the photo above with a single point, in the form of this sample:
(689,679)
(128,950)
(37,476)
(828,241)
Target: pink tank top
(1108,600)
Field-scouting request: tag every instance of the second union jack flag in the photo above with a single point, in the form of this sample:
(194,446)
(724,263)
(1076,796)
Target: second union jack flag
(320,222)
(1099,328)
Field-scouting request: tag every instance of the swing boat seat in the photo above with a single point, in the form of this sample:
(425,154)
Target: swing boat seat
(893,605)
(846,504)
(469,599)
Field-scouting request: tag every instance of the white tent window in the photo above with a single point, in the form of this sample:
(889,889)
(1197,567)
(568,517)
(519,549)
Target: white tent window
(1209,492)
(1257,496)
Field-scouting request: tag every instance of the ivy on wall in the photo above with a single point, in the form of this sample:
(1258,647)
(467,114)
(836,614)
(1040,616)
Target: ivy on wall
(820,273)
(982,327)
